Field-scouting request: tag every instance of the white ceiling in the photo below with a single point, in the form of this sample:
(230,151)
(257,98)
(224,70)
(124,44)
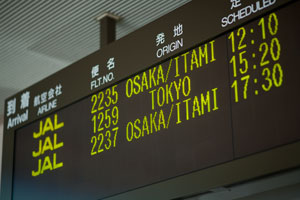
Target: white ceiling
(40,37)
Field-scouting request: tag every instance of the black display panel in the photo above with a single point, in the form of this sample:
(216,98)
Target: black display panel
(233,96)
(167,121)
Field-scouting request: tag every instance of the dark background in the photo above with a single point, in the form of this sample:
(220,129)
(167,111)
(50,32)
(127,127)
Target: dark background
(235,130)
(186,147)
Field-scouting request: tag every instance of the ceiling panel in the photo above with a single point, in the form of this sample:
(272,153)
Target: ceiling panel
(40,37)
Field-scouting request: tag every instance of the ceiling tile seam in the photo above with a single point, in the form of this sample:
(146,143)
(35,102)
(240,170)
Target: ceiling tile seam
(69,41)
(12,51)
(11,78)
(141,12)
(175,6)
(156,17)
(38,33)
(8,61)
(13,11)
(151,18)
(33,38)
(123,10)
(30,23)
(76,40)
(73,58)
(23,17)
(56,37)
(156,10)
(82,28)
(5,4)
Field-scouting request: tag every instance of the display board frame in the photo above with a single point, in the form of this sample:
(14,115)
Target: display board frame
(144,54)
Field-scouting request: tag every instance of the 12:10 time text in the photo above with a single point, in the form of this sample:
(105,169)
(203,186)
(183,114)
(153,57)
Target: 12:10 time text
(270,51)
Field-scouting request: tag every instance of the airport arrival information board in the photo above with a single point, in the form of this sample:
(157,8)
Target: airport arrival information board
(207,84)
